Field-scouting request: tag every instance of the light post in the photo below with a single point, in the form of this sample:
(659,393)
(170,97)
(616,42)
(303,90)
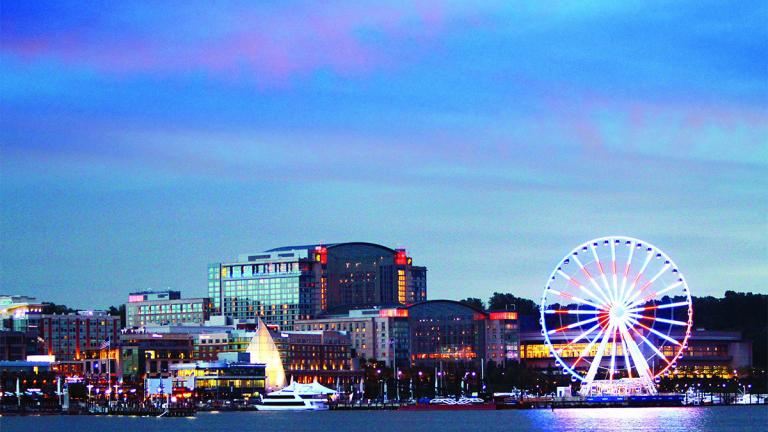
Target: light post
(420,375)
(397,385)
(89,387)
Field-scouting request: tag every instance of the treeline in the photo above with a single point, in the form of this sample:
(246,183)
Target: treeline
(744,312)
(53,308)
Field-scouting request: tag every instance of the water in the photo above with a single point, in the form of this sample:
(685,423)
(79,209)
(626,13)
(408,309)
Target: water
(726,418)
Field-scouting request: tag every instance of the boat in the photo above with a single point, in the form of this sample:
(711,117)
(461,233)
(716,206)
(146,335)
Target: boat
(297,397)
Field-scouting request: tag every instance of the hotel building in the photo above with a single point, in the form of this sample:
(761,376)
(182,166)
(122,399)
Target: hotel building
(165,308)
(374,333)
(67,336)
(427,333)
(287,284)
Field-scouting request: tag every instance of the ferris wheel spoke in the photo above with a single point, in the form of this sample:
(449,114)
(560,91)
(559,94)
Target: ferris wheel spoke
(613,354)
(576,324)
(598,355)
(652,346)
(602,270)
(649,283)
(635,281)
(656,332)
(588,348)
(663,306)
(573,311)
(643,370)
(591,279)
(659,319)
(656,294)
(580,337)
(627,364)
(576,299)
(627,267)
(614,279)
(578,285)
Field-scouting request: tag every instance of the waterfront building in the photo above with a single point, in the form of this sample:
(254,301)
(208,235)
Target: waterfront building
(502,337)
(713,354)
(17,345)
(709,354)
(324,356)
(152,308)
(446,332)
(14,310)
(143,355)
(66,337)
(376,334)
(219,379)
(291,283)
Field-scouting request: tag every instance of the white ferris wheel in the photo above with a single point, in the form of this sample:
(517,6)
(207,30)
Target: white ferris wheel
(616,314)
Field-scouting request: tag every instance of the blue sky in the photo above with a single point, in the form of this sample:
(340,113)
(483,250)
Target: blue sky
(140,142)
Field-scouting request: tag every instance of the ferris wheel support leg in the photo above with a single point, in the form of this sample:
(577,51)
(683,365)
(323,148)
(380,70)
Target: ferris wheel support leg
(643,370)
(587,386)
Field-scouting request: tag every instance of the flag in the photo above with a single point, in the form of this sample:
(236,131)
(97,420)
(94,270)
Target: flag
(105,344)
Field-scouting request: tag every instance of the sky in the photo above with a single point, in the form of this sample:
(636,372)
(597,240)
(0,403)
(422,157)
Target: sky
(140,141)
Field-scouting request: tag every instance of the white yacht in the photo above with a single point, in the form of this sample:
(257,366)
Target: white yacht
(297,397)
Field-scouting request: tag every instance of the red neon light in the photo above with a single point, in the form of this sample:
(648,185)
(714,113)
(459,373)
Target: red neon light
(400,257)
(321,254)
(503,315)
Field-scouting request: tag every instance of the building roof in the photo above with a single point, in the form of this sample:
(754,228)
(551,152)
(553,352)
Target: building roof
(300,247)
(450,303)
(327,246)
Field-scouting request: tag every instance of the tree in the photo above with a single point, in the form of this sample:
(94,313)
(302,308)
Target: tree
(474,302)
(118,311)
(507,301)
(53,308)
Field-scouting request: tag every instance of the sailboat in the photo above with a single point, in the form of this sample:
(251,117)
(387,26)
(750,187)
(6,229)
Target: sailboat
(262,349)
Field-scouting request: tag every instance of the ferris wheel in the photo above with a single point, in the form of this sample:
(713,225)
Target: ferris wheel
(616,314)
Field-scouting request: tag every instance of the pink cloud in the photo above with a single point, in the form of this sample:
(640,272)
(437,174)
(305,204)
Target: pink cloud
(274,46)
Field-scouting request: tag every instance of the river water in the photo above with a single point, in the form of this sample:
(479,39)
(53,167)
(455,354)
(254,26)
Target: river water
(723,418)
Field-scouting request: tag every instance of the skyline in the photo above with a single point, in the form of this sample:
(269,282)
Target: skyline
(140,143)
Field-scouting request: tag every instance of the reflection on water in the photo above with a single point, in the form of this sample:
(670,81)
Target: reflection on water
(733,418)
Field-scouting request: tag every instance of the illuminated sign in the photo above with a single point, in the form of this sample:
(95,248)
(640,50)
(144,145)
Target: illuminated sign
(400,257)
(393,313)
(321,255)
(503,315)
(41,358)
